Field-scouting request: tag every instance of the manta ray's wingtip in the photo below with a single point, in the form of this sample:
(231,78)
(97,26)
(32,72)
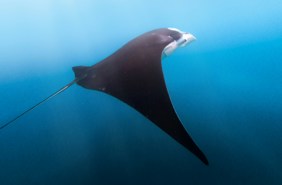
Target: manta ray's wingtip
(200,155)
(192,147)
(204,159)
(198,152)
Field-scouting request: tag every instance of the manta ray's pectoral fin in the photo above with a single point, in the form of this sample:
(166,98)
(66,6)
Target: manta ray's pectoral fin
(139,82)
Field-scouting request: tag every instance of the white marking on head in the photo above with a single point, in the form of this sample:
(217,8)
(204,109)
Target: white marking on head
(185,39)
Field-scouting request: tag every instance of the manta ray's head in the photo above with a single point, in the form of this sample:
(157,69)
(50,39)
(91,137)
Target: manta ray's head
(180,39)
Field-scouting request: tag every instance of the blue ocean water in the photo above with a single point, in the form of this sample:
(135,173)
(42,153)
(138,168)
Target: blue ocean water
(226,87)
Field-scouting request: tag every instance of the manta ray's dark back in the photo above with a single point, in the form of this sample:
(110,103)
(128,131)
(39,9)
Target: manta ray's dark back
(134,75)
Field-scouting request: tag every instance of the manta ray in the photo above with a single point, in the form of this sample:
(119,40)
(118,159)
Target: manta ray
(133,74)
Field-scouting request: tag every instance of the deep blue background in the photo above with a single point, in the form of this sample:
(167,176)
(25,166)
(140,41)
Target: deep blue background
(226,88)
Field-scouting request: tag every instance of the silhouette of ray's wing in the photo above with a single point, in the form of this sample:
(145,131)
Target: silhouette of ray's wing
(134,75)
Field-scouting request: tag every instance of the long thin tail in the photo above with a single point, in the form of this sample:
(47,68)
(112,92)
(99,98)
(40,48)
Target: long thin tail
(41,102)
